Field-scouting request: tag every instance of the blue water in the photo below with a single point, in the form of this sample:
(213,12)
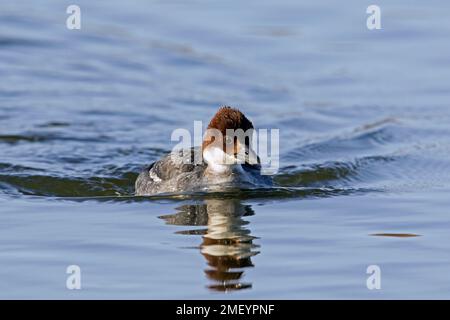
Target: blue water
(364,119)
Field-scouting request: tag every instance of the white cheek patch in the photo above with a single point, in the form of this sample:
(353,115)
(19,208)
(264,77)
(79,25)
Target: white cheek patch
(215,155)
(218,160)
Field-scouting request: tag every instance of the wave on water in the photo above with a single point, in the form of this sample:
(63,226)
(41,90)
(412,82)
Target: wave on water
(379,157)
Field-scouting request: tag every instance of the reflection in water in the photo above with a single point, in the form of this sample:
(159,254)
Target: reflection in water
(227,245)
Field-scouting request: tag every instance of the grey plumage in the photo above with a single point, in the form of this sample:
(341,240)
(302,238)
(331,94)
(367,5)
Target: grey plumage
(177,172)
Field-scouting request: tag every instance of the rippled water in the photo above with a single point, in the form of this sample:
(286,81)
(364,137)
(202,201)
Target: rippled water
(364,119)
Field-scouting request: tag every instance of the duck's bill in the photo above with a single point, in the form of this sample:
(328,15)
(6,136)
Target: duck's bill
(218,156)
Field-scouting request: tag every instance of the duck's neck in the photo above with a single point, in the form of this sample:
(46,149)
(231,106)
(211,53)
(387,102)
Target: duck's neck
(215,159)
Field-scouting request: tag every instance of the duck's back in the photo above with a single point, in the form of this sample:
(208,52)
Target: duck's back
(176,172)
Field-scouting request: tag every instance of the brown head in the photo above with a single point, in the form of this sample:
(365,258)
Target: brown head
(229,131)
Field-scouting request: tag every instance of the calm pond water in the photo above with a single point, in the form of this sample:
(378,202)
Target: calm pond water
(364,119)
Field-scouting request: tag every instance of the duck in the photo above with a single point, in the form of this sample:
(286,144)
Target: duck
(227,161)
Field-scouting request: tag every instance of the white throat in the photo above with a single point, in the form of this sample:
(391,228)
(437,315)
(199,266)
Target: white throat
(218,161)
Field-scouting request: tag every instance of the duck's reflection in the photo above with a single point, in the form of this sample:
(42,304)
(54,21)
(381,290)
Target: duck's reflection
(227,244)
